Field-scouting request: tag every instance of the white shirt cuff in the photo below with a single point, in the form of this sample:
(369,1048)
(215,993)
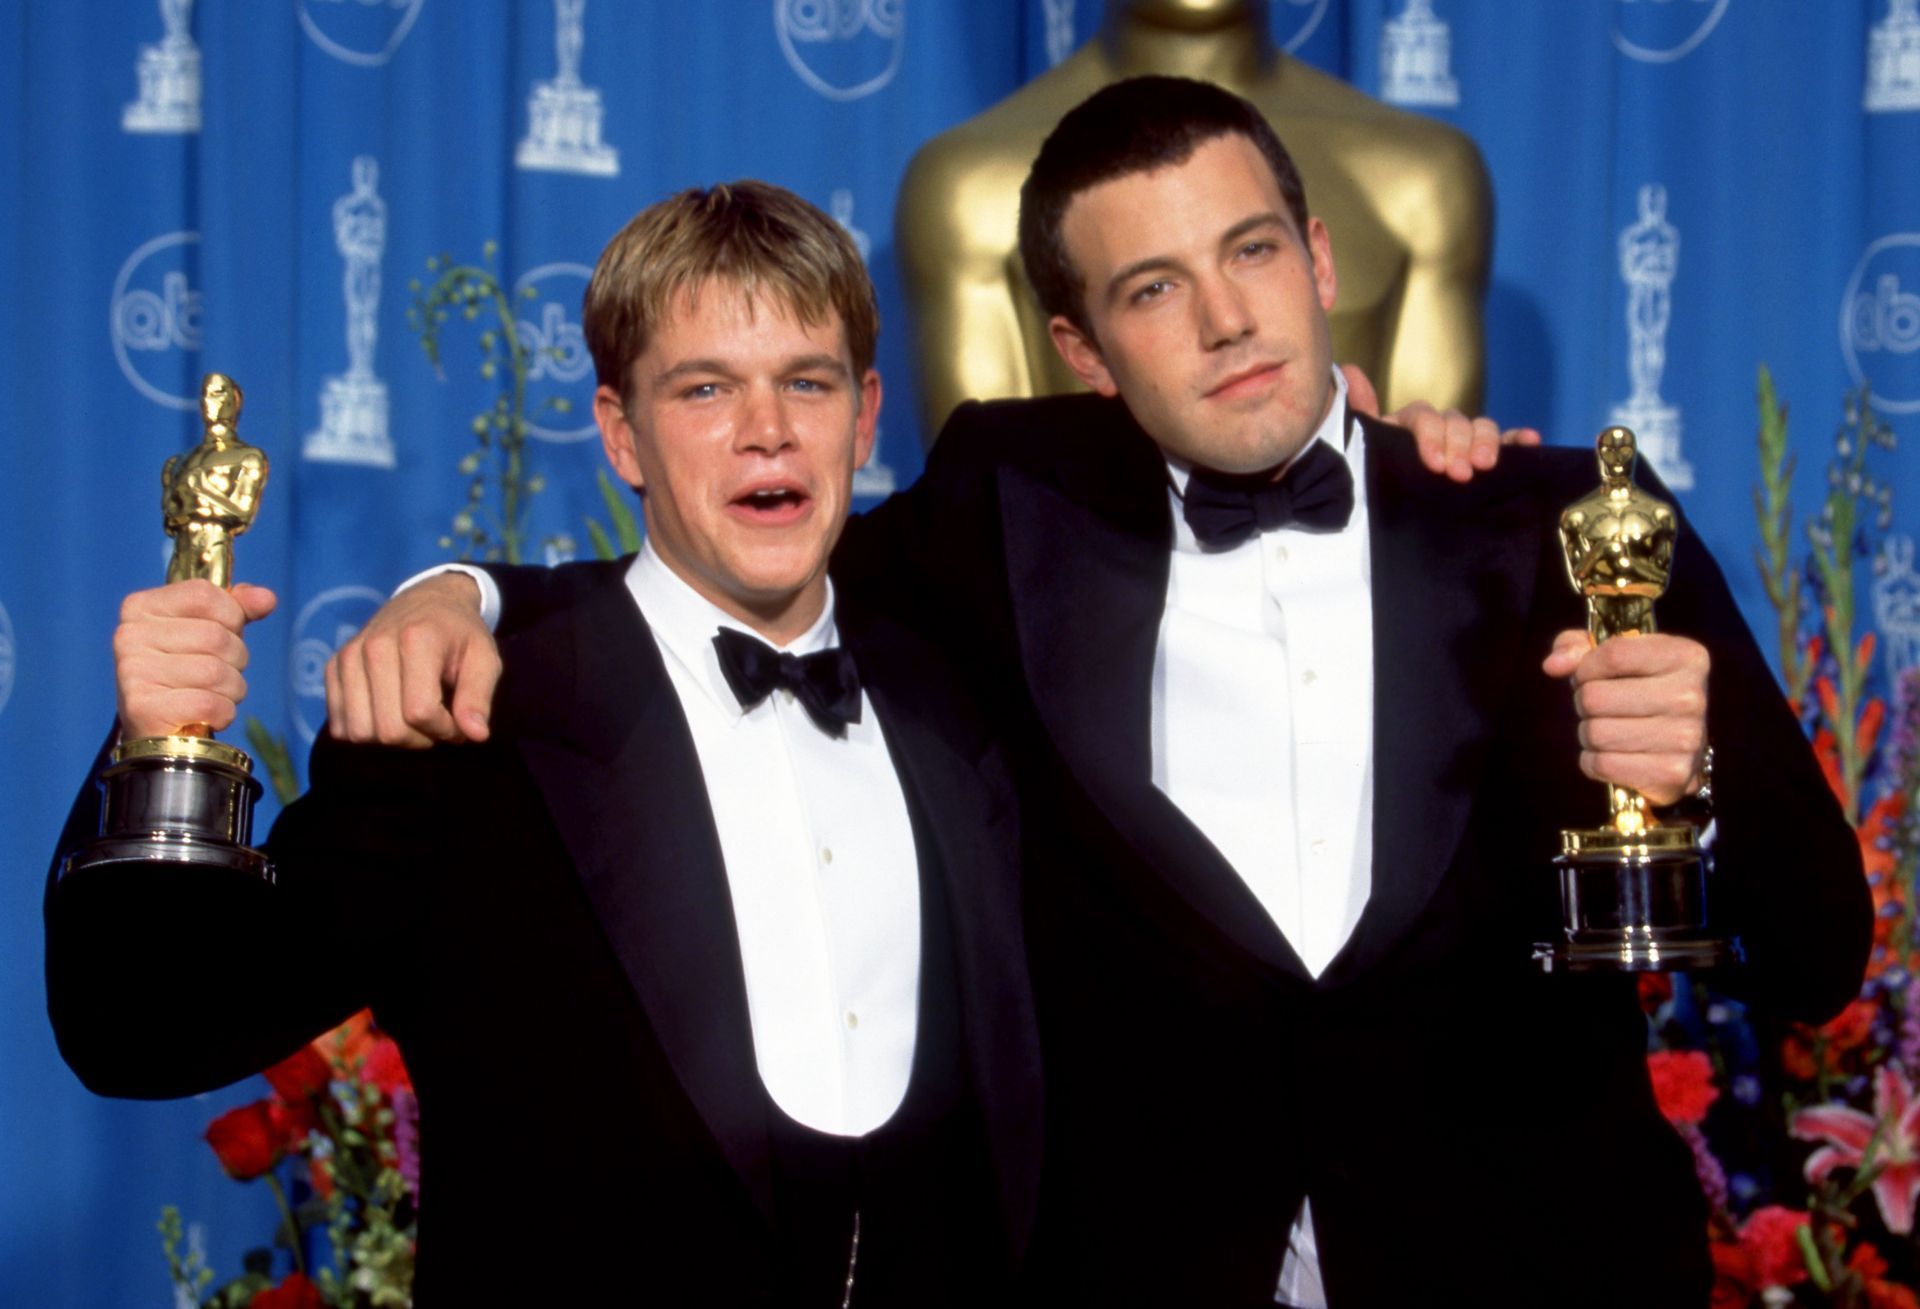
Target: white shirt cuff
(489,589)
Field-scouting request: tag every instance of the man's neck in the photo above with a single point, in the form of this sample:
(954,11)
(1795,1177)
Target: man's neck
(781,621)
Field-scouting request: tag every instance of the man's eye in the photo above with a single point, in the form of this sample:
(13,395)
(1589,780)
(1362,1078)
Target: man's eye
(700,391)
(1150,292)
(812,385)
(1256,249)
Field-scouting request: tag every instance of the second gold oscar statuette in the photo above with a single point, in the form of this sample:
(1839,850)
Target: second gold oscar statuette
(185,798)
(1633,893)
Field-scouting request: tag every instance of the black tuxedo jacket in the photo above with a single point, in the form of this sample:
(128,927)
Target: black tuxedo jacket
(1470,1131)
(542,922)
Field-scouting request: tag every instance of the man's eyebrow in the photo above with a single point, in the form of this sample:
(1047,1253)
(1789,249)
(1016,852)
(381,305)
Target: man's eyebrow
(1249,225)
(810,363)
(1151,264)
(691,367)
(1160,263)
(817,363)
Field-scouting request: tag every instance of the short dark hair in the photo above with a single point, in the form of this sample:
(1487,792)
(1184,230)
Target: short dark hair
(1132,126)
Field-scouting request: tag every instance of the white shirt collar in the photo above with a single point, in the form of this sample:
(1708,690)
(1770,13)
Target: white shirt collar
(1351,446)
(684,623)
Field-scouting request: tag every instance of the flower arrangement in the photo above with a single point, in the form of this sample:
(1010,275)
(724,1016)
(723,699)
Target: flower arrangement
(1807,1142)
(340,1125)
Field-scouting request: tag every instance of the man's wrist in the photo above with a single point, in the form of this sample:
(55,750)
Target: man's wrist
(489,598)
(1696,806)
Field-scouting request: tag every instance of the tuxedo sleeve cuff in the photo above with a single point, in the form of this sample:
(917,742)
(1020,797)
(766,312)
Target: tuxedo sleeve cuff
(489,589)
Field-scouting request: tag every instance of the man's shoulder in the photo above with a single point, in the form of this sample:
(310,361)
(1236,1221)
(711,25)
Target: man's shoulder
(1553,474)
(1058,439)
(1039,430)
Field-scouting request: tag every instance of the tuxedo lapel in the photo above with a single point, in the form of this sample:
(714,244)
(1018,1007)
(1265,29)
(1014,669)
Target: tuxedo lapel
(604,737)
(976,857)
(1453,569)
(1088,553)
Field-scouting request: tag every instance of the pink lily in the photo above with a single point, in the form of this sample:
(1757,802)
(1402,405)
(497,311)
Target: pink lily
(1885,1145)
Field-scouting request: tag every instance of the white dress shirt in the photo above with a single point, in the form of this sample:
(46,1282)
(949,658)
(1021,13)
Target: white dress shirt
(1263,728)
(820,862)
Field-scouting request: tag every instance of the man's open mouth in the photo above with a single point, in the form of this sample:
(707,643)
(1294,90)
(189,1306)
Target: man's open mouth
(773,503)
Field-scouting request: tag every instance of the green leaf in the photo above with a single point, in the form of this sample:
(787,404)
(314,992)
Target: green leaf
(274,756)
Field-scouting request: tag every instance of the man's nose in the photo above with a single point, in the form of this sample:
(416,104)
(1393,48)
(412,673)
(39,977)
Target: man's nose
(764,425)
(1223,313)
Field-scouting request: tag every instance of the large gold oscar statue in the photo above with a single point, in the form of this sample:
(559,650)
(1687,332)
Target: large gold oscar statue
(1406,199)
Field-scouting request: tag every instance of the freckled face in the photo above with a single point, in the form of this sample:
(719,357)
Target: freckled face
(744,430)
(1208,307)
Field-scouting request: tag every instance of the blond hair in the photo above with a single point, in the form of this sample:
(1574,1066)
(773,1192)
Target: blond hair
(751,235)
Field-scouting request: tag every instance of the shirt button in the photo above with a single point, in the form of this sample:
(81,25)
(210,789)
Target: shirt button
(1279,553)
(786,694)
(1319,845)
(826,854)
(853,1020)
(1309,677)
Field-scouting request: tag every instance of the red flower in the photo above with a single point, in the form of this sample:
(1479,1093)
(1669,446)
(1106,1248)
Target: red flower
(1881,1294)
(1734,1280)
(358,1048)
(384,1068)
(1846,1032)
(346,1045)
(249,1140)
(1771,1236)
(1878,828)
(301,1075)
(1655,990)
(1682,1084)
(1887,1143)
(294,1293)
(320,1174)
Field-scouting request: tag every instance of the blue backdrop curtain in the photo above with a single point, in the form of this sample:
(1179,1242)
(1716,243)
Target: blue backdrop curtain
(251,185)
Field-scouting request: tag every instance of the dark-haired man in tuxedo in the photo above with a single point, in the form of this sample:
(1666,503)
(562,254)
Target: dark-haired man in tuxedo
(1291,722)
(708,964)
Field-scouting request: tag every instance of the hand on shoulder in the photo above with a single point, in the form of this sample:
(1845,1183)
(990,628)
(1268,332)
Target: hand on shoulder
(1449,441)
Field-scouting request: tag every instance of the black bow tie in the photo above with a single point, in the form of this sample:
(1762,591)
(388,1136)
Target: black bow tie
(1224,509)
(825,682)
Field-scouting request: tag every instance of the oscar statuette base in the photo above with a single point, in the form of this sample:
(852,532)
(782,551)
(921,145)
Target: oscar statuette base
(1634,903)
(179,800)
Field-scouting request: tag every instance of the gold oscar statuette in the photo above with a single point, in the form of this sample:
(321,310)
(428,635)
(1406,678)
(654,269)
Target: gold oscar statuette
(185,797)
(1633,893)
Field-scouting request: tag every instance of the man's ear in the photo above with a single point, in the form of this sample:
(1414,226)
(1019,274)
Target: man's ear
(867,424)
(1082,355)
(1326,282)
(617,436)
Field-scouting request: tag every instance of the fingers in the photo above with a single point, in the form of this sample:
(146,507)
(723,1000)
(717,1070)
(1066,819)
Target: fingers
(421,672)
(1642,703)
(1450,442)
(473,689)
(178,655)
(160,693)
(415,705)
(1653,656)
(1663,777)
(365,695)
(1569,648)
(256,601)
(1360,393)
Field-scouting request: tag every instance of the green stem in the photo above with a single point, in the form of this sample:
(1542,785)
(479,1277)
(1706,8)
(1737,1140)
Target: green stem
(286,1221)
